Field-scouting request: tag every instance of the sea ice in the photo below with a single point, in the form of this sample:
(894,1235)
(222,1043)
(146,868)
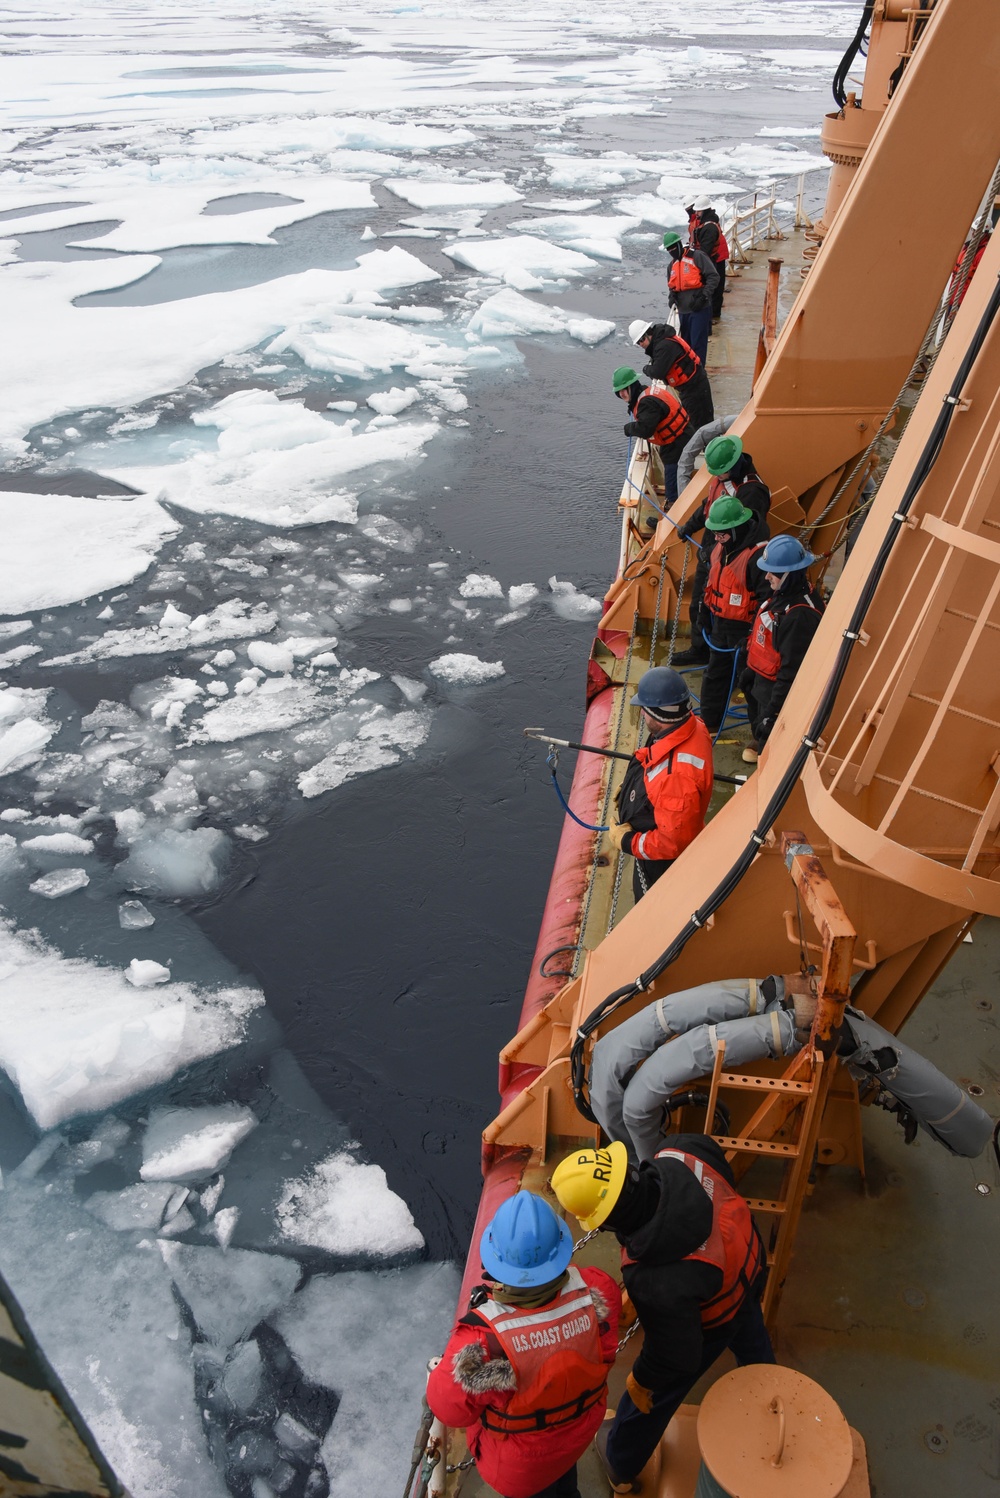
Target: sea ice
(270,657)
(243,1375)
(229,1293)
(468,194)
(133,916)
(523,261)
(507,314)
(60,882)
(231,620)
(520,594)
(280,703)
(597,234)
(276,462)
(190,1144)
(76,1038)
(176,863)
(569,603)
(135,1208)
(346,1208)
(58,549)
(458,669)
(345,1330)
(480,585)
(23,744)
(381,740)
(146,974)
(65,843)
(391,402)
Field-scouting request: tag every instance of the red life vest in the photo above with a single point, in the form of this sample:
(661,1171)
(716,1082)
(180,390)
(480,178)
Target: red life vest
(684,368)
(727,592)
(685,275)
(733,1245)
(674,424)
(555,1352)
(762,656)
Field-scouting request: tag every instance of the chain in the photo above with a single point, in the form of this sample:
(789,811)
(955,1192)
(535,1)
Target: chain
(607,797)
(675,622)
(587,1238)
(460,1466)
(628,1335)
(656,616)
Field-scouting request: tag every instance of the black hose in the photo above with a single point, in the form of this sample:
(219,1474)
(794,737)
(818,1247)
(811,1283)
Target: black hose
(847,61)
(734,875)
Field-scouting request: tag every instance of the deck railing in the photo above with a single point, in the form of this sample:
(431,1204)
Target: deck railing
(769,212)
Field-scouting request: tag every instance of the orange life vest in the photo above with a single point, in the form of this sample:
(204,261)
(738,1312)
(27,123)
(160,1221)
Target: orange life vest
(555,1352)
(762,655)
(685,275)
(674,424)
(733,1245)
(728,595)
(683,369)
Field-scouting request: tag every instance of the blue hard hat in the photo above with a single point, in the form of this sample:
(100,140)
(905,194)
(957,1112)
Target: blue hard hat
(784,554)
(663,692)
(526,1243)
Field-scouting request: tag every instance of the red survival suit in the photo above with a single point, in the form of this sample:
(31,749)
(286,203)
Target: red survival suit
(677,779)
(516,1378)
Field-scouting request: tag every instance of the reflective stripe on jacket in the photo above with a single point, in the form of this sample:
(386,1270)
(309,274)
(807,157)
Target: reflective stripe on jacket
(555,1352)
(762,654)
(671,426)
(678,777)
(733,1246)
(728,594)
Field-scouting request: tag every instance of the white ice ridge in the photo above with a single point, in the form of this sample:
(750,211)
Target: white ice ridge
(276,461)
(58,549)
(191,1144)
(464,194)
(76,1038)
(347,1208)
(507,314)
(163,216)
(147,350)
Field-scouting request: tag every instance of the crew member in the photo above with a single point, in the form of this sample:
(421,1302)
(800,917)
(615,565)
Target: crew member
(525,1371)
(692,282)
(667,786)
(733,472)
(659,419)
(693,1265)
(710,239)
(780,635)
(673,362)
(695,447)
(733,590)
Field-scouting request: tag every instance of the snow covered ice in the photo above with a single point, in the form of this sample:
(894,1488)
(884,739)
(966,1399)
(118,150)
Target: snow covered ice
(265,281)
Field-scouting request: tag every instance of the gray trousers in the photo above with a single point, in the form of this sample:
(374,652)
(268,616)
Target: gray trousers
(635,1069)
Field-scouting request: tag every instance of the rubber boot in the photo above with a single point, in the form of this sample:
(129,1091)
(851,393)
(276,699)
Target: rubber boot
(695,655)
(601,1443)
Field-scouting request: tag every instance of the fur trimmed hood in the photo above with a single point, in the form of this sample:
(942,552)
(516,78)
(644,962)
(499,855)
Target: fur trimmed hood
(477,1374)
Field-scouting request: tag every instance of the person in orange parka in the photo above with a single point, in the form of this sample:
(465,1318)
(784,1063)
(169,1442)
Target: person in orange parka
(525,1371)
(666,789)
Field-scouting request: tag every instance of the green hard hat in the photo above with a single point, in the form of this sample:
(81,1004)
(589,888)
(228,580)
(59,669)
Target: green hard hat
(670,239)
(623,377)
(727,513)
(721,453)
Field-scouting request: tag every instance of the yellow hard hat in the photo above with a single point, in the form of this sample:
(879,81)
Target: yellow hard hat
(589,1182)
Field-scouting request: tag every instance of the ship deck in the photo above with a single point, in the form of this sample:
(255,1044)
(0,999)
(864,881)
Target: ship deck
(890,1302)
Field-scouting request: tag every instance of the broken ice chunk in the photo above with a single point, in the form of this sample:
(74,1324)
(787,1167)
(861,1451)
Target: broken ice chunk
(133,916)
(347,1208)
(293,1437)
(270,657)
(241,1378)
(211,1194)
(177,863)
(60,882)
(459,669)
(521,593)
(569,603)
(135,1208)
(229,1294)
(191,1143)
(480,585)
(224,658)
(224,1225)
(23,744)
(66,843)
(146,974)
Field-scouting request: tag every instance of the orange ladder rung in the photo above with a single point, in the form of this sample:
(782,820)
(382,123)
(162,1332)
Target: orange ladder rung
(757,1146)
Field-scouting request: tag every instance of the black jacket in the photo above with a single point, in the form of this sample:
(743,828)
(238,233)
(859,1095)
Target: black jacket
(664,352)
(794,628)
(666,1288)
(751,491)
(707,237)
(647,411)
(697,300)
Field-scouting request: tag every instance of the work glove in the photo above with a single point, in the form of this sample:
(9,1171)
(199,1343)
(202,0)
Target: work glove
(642,1398)
(617,833)
(629,1315)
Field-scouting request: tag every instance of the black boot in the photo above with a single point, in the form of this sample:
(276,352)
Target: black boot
(696,655)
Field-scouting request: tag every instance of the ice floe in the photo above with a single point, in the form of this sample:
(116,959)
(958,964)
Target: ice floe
(525,261)
(191,1144)
(453,194)
(76,1038)
(58,549)
(460,669)
(347,1208)
(507,314)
